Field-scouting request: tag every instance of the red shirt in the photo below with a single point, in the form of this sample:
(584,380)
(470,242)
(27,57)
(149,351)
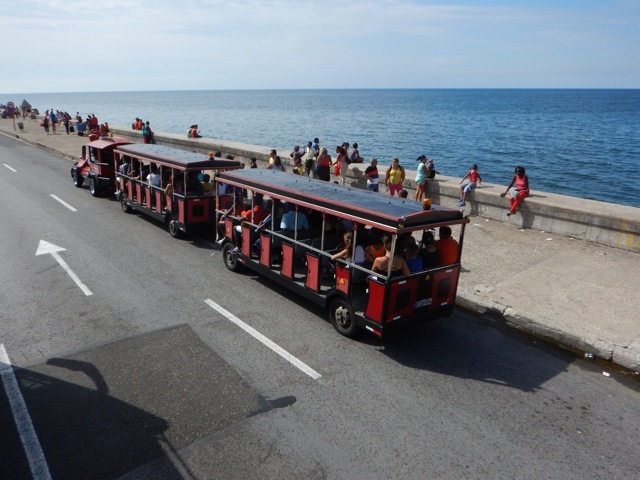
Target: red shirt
(447,251)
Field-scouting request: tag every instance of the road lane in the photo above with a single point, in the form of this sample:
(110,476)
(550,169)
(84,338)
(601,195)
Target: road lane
(453,399)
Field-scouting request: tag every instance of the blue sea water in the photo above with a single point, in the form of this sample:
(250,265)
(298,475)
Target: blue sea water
(584,143)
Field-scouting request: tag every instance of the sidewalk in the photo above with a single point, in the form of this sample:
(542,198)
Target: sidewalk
(579,294)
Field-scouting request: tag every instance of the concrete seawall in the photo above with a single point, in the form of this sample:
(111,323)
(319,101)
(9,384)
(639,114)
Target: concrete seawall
(599,222)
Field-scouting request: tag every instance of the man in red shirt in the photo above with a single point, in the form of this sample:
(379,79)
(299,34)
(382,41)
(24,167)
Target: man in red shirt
(447,247)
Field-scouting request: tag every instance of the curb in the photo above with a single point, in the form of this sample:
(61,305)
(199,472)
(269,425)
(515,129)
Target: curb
(626,357)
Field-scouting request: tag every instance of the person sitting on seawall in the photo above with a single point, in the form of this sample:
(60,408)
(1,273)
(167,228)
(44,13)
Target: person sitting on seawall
(193,132)
(447,247)
(381,264)
(354,155)
(474,179)
(520,192)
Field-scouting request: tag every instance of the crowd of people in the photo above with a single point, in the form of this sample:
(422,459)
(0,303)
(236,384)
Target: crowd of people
(316,162)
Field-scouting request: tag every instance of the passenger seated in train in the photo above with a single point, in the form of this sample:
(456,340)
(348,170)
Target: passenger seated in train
(292,220)
(207,186)
(194,187)
(375,248)
(414,262)
(235,210)
(428,251)
(346,250)
(447,247)
(398,267)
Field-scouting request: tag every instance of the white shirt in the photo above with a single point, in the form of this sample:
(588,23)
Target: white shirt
(154,179)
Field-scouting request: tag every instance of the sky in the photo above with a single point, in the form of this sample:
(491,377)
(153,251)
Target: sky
(49,46)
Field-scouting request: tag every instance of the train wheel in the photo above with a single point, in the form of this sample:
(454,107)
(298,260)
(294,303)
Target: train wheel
(342,317)
(93,188)
(230,256)
(77,178)
(173,228)
(126,208)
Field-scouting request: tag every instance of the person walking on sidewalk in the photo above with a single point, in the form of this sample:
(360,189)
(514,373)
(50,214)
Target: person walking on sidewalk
(394,177)
(147,133)
(521,191)
(421,178)
(474,179)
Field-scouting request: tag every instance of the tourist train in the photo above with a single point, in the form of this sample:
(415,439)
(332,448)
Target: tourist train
(318,239)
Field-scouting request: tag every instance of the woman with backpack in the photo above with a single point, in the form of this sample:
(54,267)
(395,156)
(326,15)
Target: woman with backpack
(394,177)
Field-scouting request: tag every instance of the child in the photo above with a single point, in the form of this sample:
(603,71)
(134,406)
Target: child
(474,179)
(431,169)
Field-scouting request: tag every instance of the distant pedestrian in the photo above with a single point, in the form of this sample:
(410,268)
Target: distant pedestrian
(373,177)
(323,165)
(147,133)
(65,121)
(253,162)
(296,155)
(474,179)
(54,120)
(341,164)
(45,124)
(309,157)
(421,178)
(521,191)
(394,177)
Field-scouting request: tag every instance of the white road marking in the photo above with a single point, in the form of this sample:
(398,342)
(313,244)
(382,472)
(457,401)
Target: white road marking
(45,248)
(257,335)
(24,425)
(63,203)
(10,168)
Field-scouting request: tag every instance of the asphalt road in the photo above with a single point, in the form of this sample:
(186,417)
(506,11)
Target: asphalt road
(142,378)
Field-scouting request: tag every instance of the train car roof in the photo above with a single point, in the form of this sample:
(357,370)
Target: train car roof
(344,200)
(103,142)
(176,157)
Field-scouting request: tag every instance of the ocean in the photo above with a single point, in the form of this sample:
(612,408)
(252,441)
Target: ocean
(583,143)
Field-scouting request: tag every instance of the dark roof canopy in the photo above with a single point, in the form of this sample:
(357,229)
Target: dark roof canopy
(177,158)
(346,201)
